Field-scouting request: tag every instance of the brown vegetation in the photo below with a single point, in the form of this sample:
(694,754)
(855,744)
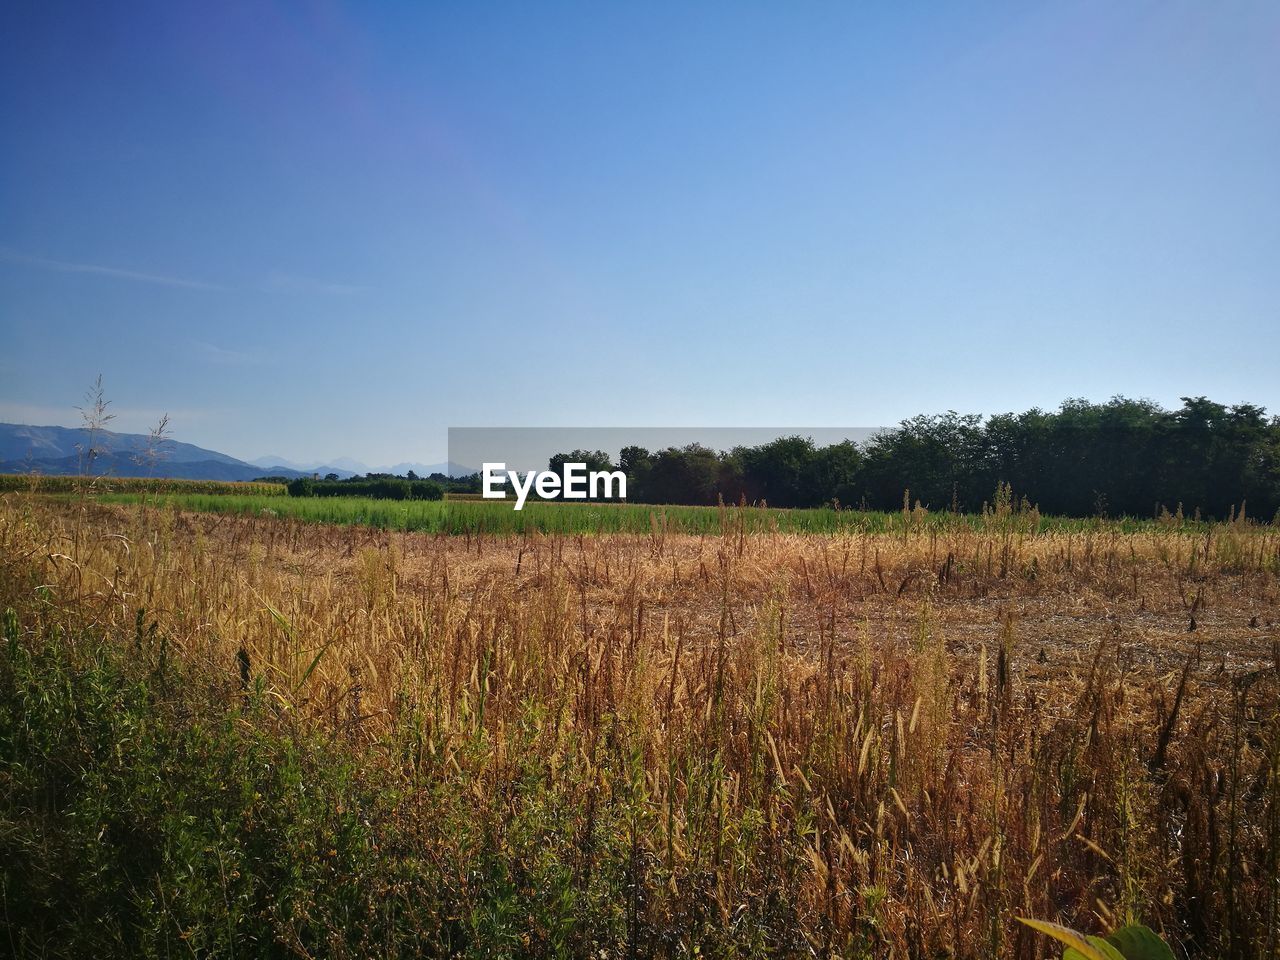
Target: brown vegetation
(877,741)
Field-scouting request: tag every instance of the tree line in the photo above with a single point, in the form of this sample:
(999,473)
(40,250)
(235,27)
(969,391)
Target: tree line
(1121,457)
(376,486)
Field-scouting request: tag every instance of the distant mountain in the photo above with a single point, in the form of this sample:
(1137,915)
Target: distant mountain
(19,441)
(56,451)
(341,466)
(346,467)
(272,461)
(346,464)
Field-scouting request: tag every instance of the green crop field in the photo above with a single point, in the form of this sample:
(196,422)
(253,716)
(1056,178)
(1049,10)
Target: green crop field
(476,516)
(35,483)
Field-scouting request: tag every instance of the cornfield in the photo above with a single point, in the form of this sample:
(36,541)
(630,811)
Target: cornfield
(32,482)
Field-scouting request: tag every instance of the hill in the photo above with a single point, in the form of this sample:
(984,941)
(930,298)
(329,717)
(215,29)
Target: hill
(56,451)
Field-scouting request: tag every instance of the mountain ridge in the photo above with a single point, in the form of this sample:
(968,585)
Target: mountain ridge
(59,451)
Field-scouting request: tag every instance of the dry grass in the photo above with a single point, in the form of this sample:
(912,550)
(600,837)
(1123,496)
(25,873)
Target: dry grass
(894,743)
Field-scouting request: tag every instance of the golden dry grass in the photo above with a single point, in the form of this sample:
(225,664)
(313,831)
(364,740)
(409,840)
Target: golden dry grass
(910,738)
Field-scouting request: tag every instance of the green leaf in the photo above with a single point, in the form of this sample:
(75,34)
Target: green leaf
(1080,948)
(280,619)
(314,662)
(1107,950)
(1136,942)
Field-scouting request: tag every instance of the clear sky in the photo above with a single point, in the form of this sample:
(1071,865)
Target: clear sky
(316,230)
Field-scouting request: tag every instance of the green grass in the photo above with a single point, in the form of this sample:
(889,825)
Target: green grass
(474,516)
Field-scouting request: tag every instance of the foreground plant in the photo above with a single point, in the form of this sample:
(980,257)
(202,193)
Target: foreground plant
(1132,942)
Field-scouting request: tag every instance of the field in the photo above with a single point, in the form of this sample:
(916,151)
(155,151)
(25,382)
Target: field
(28,482)
(469,515)
(295,727)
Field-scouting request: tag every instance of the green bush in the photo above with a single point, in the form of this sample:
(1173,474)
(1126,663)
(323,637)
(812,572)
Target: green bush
(139,820)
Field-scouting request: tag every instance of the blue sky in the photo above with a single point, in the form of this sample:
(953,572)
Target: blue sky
(317,230)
